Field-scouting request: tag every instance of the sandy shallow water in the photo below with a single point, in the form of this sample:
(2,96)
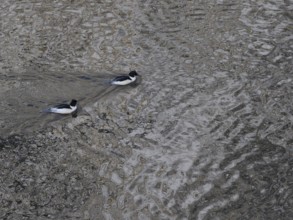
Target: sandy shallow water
(206,133)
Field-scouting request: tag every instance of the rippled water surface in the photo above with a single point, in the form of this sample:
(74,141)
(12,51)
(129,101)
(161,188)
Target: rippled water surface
(206,133)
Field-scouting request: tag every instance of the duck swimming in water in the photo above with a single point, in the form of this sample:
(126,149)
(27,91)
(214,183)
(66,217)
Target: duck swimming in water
(63,108)
(125,80)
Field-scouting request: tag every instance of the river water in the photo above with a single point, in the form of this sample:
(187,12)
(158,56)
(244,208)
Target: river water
(206,133)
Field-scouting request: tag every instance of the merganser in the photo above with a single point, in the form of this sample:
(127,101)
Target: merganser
(124,80)
(63,108)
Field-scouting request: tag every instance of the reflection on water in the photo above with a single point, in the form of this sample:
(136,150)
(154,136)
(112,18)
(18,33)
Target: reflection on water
(205,135)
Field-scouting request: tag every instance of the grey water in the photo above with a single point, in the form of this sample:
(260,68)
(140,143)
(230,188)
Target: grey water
(206,133)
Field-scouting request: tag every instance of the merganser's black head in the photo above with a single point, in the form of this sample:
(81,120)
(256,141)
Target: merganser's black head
(133,73)
(73,102)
